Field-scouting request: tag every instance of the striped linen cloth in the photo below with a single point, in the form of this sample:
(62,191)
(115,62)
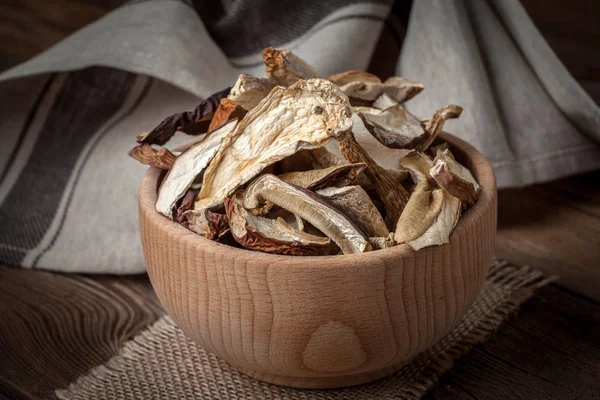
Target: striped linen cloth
(69,116)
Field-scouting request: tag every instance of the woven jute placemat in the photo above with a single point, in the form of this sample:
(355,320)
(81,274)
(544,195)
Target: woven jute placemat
(162,363)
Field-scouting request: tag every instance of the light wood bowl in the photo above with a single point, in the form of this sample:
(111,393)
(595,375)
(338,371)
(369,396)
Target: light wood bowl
(319,322)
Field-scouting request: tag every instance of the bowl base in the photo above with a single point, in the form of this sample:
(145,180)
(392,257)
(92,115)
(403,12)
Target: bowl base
(328,382)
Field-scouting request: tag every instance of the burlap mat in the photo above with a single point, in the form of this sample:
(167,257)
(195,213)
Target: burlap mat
(162,363)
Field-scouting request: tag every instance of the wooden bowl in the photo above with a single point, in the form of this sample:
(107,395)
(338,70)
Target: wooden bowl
(319,322)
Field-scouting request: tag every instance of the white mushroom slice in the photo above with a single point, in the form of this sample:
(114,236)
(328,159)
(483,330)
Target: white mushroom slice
(187,166)
(420,212)
(311,207)
(439,232)
(394,127)
(454,177)
(346,77)
(315,179)
(418,165)
(271,235)
(285,67)
(304,116)
(356,204)
(249,90)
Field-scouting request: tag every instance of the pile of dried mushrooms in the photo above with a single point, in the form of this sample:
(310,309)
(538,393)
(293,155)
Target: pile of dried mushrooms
(282,165)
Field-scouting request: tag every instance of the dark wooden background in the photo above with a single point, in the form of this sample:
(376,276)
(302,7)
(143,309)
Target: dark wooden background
(55,327)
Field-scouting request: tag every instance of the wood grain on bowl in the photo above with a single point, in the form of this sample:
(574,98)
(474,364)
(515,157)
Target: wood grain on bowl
(326,321)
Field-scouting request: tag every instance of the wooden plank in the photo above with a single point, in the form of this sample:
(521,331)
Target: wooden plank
(55,327)
(554,227)
(551,350)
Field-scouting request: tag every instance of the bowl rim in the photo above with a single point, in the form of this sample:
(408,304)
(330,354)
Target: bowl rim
(478,164)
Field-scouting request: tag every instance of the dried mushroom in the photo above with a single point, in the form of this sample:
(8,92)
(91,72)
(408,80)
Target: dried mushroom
(203,113)
(226,111)
(364,86)
(280,166)
(145,154)
(311,208)
(418,165)
(392,193)
(188,166)
(249,90)
(271,235)
(206,223)
(443,225)
(356,204)
(453,177)
(396,128)
(315,179)
(304,116)
(285,67)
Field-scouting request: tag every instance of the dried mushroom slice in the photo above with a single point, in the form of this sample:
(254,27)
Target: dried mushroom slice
(394,127)
(364,86)
(249,90)
(323,158)
(304,116)
(435,124)
(380,242)
(393,195)
(315,179)
(418,165)
(399,175)
(420,212)
(285,67)
(186,204)
(206,223)
(271,235)
(311,208)
(145,154)
(188,166)
(356,204)
(226,111)
(203,114)
(454,177)
(440,230)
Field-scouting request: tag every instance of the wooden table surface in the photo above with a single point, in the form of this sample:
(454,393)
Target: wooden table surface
(55,327)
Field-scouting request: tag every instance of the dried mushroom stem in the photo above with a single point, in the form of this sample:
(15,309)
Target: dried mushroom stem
(392,193)
(315,179)
(145,154)
(356,204)
(435,124)
(309,207)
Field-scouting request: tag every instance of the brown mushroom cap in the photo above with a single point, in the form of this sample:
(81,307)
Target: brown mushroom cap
(310,207)
(368,87)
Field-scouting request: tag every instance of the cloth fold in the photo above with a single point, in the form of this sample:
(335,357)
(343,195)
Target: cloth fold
(68,190)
